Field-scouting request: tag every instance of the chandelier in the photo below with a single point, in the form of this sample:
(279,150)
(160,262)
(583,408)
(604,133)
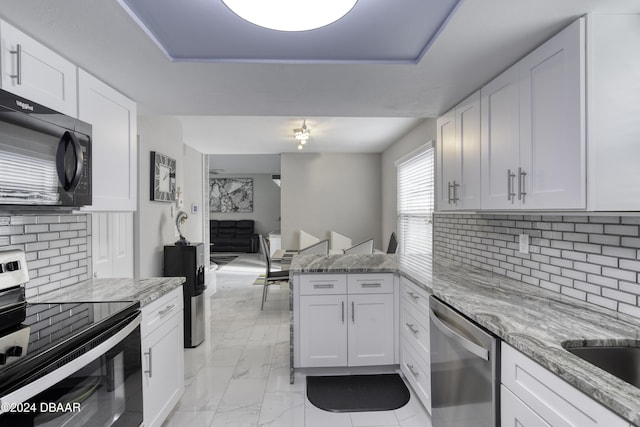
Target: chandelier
(302,134)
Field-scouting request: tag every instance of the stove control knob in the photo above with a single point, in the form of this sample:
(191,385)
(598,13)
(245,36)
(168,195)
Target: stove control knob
(15,351)
(12,266)
(1,268)
(3,358)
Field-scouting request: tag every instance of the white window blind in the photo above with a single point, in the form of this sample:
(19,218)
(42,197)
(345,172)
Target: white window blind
(416,204)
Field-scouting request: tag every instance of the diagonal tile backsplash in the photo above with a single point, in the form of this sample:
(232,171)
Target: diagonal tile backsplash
(592,258)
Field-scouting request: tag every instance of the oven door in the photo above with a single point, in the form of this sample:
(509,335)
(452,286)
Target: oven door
(102,387)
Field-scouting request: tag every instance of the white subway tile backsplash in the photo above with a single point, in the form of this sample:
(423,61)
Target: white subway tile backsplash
(591,258)
(57,248)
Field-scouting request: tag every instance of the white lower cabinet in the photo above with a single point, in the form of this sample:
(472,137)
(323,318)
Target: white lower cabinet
(323,335)
(533,396)
(415,353)
(370,330)
(345,320)
(162,333)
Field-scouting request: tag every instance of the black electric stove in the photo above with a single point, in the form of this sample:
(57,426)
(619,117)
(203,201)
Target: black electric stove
(33,336)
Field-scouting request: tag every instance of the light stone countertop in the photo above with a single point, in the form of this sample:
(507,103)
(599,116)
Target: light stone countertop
(534,320)
(144,290)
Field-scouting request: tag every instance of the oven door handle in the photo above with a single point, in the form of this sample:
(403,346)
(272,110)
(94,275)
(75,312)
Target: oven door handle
(41,384)
(454,336)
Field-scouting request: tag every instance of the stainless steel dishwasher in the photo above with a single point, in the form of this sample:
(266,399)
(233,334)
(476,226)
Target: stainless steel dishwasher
(464,370)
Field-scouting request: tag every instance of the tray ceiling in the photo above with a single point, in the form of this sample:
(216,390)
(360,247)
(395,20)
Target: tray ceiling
(374,31)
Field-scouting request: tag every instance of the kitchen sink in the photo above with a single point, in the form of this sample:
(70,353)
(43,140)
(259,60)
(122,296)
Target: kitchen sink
(621,361)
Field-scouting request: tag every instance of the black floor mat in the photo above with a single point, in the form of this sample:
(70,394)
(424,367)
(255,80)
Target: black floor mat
(357,393)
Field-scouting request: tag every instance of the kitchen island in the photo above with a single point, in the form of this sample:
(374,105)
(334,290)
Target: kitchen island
(533,320)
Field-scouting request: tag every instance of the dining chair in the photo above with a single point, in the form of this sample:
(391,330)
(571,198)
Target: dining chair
(363,248)
(393,244)
(270,277)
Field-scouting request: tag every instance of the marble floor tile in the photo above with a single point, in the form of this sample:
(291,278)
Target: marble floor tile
(282,409)
(191,419)
(239,376)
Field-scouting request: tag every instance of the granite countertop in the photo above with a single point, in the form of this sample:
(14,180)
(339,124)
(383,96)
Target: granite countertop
(117,289)
(376,263)
(535,321)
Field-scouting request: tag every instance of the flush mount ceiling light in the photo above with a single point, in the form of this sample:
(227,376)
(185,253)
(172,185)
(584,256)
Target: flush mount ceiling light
(290,15)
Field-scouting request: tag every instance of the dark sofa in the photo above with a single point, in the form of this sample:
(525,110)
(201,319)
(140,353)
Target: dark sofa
(233,236)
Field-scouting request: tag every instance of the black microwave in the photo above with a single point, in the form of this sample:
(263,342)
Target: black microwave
(45,156)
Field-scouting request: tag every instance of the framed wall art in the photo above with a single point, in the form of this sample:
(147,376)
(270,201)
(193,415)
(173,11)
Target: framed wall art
(163,178)
(231,195)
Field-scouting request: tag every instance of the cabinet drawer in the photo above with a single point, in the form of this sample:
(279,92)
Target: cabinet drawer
(415,330)
(370,283)
(156,313)
(417,371)
(323,284)
(555,401)
(415,296)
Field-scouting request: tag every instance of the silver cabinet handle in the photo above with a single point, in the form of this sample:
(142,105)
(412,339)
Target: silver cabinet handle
(167,309)
(521,193)
(510,194)
(18,74)
(412,328)
(414,296)
(449,192)
(371,285)
(412,370)
(353,312)
(455,192)
(323,286)
(150,358)
(342,311)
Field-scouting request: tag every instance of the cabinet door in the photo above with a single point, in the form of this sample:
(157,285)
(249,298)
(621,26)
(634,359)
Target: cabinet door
(552,127)
(613,111)
(447,161)
(371,329)
(323,330)
(113,117)
(112,244)
(163,362)
(500,140)
(31,70)
(514,413)
(467,195)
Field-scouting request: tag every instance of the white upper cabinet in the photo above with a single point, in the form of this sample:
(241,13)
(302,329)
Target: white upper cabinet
(458,156)
(31,70)
(613,112)
(500,140)
(447,168)
(552,166)
(114,121)
(533,129)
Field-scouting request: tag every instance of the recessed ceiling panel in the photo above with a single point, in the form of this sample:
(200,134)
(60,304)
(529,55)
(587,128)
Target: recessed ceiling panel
(375,31)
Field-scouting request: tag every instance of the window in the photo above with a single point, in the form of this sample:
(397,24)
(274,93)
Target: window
(416,202)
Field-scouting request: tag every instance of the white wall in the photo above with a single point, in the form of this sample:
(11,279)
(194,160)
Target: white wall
(421,134)
(194,178)
(266,203)
(331,191)
(153,221)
